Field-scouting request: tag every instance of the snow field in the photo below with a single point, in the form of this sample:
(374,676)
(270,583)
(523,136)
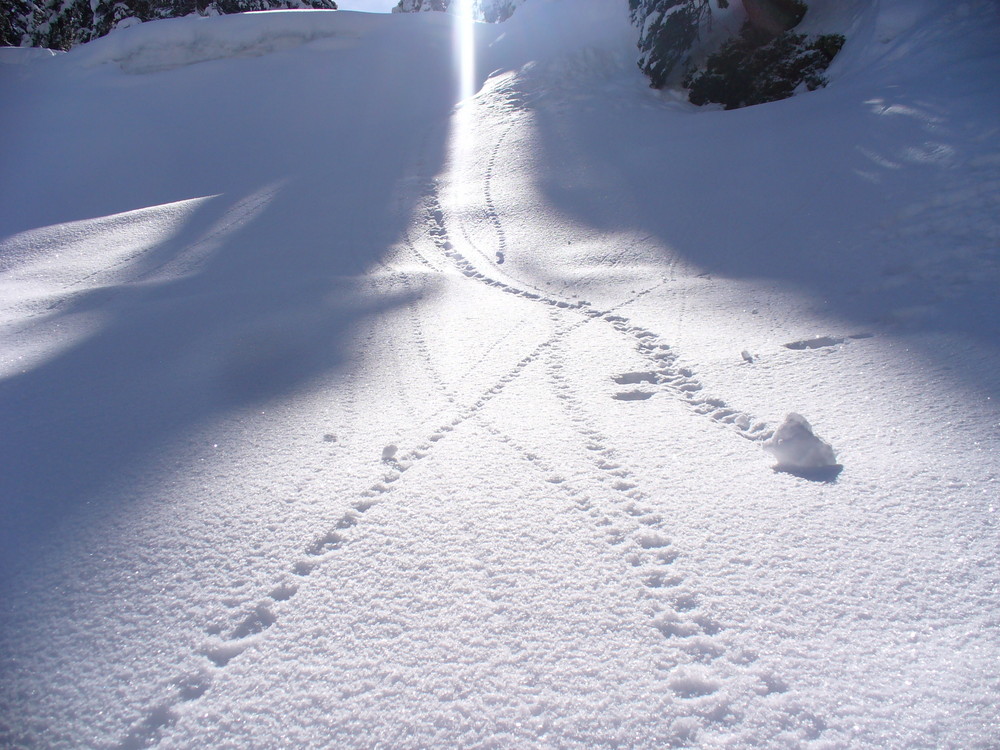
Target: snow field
(358,419)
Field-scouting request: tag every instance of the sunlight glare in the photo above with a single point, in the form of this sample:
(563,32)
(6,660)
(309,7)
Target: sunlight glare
(465,46)
(464,55)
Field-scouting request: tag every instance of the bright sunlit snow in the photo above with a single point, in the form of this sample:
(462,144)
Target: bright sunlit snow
(344,408)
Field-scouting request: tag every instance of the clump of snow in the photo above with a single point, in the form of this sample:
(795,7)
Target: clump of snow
(798,449)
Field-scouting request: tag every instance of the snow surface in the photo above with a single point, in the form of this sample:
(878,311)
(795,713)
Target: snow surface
(290,459)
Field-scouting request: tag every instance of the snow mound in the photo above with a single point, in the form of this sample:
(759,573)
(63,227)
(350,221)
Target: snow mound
(799,451)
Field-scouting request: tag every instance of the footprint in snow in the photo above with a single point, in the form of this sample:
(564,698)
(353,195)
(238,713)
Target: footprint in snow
(820,342)
(815,343)
(633,395)
(634,378)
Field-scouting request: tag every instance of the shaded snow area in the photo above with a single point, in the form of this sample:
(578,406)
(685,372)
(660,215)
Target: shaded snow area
(336,412)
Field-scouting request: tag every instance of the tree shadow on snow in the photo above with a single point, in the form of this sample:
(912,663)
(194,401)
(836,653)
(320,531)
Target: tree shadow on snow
(307,203)
(270,311)
(874,240)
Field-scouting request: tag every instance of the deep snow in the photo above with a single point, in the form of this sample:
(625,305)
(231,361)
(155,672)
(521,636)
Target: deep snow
(337,412)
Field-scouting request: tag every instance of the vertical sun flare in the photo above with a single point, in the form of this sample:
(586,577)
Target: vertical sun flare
(465,49)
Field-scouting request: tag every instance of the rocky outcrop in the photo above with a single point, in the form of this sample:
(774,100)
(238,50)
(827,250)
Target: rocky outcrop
(771,18)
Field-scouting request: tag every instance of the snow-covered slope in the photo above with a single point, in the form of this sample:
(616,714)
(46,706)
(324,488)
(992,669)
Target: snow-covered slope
(336,412)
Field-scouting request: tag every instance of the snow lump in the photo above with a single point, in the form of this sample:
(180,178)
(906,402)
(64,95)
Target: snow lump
(799,451)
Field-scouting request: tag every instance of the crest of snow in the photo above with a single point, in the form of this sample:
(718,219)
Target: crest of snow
(797,447)
(25,55)
(176,42)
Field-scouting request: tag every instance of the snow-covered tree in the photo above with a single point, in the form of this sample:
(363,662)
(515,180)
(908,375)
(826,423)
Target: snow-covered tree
(668,32)
(764,63)
(492,11)
(746,71)
(61,24)
(495,11)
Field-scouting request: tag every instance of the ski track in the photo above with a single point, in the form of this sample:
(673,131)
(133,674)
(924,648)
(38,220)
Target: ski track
(625,518)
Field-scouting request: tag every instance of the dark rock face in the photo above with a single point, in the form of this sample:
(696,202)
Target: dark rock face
(745,72)
(773,17)
(765,62)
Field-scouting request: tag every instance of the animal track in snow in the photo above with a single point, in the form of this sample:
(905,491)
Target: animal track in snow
(626,521)
(631,522)
(146,732)
(221,651)
(262,616)
(265,614)
(633,395)
(439,235)
(327,543)
(634,378)
(621,514)
(821,342)
(491,210)
(259,620)
(690,683)
(816,343)
(678,381)
(681,619)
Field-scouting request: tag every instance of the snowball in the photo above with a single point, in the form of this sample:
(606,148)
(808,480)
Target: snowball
(389,452)
(797,448)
